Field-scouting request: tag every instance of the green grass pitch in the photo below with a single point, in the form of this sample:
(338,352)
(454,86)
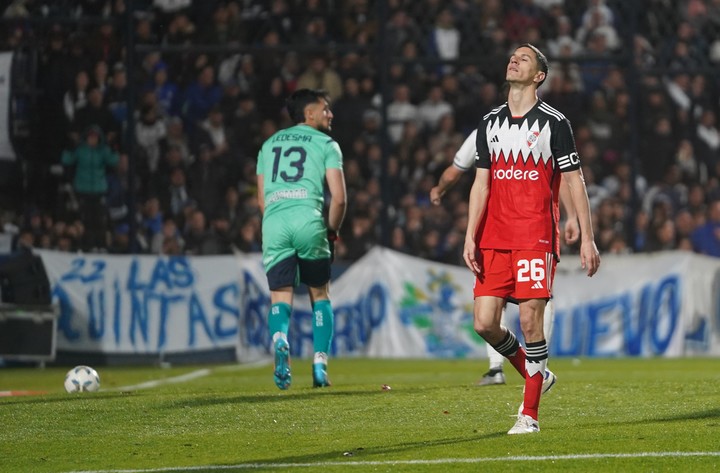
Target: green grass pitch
(619,415)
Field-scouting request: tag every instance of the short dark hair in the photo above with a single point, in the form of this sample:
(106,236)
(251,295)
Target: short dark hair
(541,60)
(300,99)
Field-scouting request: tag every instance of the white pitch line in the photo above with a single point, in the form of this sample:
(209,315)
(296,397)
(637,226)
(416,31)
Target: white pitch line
(188,376)
(439,461)
(159,382)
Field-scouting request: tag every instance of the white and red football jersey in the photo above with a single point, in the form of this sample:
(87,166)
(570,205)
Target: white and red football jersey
(525,156)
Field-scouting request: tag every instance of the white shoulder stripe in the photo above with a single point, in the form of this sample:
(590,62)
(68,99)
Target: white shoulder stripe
(549,110)
(495,111)
(460,165)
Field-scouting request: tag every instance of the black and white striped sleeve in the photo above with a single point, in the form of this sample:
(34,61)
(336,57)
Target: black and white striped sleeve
(563,146)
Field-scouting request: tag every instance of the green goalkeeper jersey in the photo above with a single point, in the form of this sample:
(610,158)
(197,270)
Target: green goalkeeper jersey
(292,164)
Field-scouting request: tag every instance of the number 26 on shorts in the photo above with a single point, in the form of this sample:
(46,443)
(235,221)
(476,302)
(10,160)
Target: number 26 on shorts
(530,270)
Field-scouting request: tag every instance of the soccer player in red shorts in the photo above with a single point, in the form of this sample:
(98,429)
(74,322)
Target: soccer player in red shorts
(512,241)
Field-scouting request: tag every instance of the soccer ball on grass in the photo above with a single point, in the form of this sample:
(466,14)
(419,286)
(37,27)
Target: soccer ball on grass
(82,379)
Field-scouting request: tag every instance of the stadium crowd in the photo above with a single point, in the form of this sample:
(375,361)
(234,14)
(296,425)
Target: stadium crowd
(200,117)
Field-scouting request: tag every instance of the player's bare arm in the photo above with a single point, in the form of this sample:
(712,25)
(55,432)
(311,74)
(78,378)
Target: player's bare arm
(449,177)
(478,201)
(589,255)
(572,229)
(338,198)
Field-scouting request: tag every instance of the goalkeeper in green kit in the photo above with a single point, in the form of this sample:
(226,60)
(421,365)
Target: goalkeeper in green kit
(297,240)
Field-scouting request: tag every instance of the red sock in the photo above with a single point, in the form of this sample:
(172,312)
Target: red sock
(531,398)
(518,361)
(535,363)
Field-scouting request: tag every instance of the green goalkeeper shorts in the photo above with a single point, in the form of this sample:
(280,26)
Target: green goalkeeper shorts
(295,237)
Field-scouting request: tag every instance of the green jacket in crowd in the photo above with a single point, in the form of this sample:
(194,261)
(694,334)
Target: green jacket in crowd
(91,163)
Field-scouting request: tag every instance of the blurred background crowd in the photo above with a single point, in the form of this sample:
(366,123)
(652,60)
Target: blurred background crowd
(152,149)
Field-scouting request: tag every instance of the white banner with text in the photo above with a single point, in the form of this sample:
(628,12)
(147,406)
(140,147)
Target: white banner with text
(387,304)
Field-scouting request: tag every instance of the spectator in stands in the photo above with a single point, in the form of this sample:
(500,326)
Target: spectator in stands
(413,72)
(662,236)
(220,29)
(199,97)
(172,241)
(271,100)
(445,39)
(77,58)
(598,20)
(151,222)
(397,240)
(166,91)
(433,108)
(706,238)
(150,131)
(177,138)
(247,77)
(319,75)
(481,100)
(231,209)
(180,29)
(76,97)
(118,192)
(684,226)
(100,76)
(400,111)
(217,136)
(401,29)
(657,150)
(247,238)
(594,71)
(91,160)
(174,194)
(563,43)
(442,145)
(196,233)
(95,112)
(207,180)
(520,17)
(144,31)
(361,236)
(104,44)
(348,111)
(707,138)
(247,122)
(116,95)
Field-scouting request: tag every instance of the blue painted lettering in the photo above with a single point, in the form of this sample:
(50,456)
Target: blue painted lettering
(96,308)
(197,315)
(65,320)
(666,311)
(227,309)
(647,318)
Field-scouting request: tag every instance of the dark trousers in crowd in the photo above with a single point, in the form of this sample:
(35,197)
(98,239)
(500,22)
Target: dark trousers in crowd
(94,216)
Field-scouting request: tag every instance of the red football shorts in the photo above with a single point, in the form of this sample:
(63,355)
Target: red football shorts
(522,274)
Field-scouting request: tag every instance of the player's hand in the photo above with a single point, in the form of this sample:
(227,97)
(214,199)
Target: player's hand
(332,236)
(572,231)
(589,257)
(435,195)
(470,255)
